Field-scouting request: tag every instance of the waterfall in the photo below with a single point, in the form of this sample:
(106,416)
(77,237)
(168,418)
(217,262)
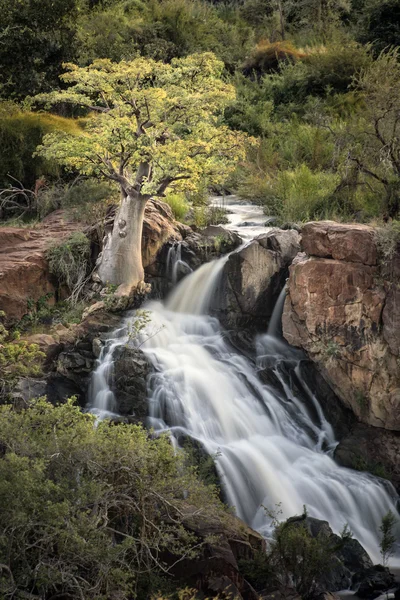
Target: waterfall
(272,445)
(175,263)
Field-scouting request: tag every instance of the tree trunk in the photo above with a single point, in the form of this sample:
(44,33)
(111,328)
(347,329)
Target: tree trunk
(121,262)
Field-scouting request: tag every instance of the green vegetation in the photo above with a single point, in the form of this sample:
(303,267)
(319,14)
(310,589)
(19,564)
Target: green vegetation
(296,558)
(97,509)
(69,262)
(388,538)
(317,83)
(18,358)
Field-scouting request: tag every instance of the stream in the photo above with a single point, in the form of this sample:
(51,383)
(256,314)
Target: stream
(273,447)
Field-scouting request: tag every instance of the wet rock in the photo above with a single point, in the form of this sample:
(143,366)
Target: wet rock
(97,346)
(373,582)
(253,278)
(131,370)
(371,449)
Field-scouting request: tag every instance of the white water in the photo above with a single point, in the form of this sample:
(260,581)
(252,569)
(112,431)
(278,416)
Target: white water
(175,263)
(273,446)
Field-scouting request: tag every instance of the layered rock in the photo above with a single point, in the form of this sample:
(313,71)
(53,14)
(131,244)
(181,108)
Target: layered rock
(341,310)
(253,277)
(24,274)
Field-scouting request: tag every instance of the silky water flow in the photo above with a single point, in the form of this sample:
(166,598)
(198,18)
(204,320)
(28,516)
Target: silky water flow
(272,445)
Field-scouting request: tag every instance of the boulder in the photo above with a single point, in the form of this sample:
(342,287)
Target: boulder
(371,449)
(216,572)
(341,312)
(26,389)
(348,557)
(373,582)
(253,277)
(131,369)
(350,243)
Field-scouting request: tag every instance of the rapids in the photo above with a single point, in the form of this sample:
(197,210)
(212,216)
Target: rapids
(272,443)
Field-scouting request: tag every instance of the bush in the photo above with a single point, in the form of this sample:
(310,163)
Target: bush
(269,57)
(69,262)
(303,195)
(178,204)
(18,358)
(91,512)
(20,134)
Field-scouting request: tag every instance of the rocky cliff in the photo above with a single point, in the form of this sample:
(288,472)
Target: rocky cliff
(343,309)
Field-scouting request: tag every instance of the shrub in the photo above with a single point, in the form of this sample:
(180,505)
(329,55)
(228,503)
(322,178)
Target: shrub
(20,133)
(18,358)
(91,512)
(301,558)
(268,57)
(388,540)
(301,195)
(69,262)
(178,204)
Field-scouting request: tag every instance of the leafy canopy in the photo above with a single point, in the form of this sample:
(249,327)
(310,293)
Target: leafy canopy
(150,124)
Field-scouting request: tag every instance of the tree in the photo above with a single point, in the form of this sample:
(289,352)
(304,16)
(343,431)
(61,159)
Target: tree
(322,15)
(36,35)
(375,136)
(151,126)
(388,539)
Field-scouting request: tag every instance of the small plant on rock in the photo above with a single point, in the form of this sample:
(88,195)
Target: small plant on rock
(388,539)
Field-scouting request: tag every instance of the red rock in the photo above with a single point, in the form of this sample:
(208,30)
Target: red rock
(351,243)
(24,274)
(334,311)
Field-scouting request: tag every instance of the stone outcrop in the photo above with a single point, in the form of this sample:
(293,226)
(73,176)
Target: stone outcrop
(131,369)
(254,276)
(346,315)
(216,572)
(371,449)
(24,274)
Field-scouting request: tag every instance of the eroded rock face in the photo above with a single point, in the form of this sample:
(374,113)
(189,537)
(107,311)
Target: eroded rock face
(216,571)
(253,278)
(24,274)
(347,318)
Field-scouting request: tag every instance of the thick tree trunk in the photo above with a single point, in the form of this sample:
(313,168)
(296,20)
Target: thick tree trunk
(121,262)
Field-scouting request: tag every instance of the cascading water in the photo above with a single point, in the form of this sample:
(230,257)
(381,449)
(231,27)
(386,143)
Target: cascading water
(175,263)
(272,446)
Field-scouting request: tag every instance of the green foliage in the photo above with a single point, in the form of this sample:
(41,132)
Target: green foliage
(388,240)
(178,204)
(166,128)
(38,36)
(300,557)
(301,195)
(91,512)
(162,30)
(203,216)
(69,261)
(388,538)
(18,358)
(20,133)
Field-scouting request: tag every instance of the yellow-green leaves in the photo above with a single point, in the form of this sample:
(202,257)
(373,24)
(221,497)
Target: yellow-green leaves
(168,116)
